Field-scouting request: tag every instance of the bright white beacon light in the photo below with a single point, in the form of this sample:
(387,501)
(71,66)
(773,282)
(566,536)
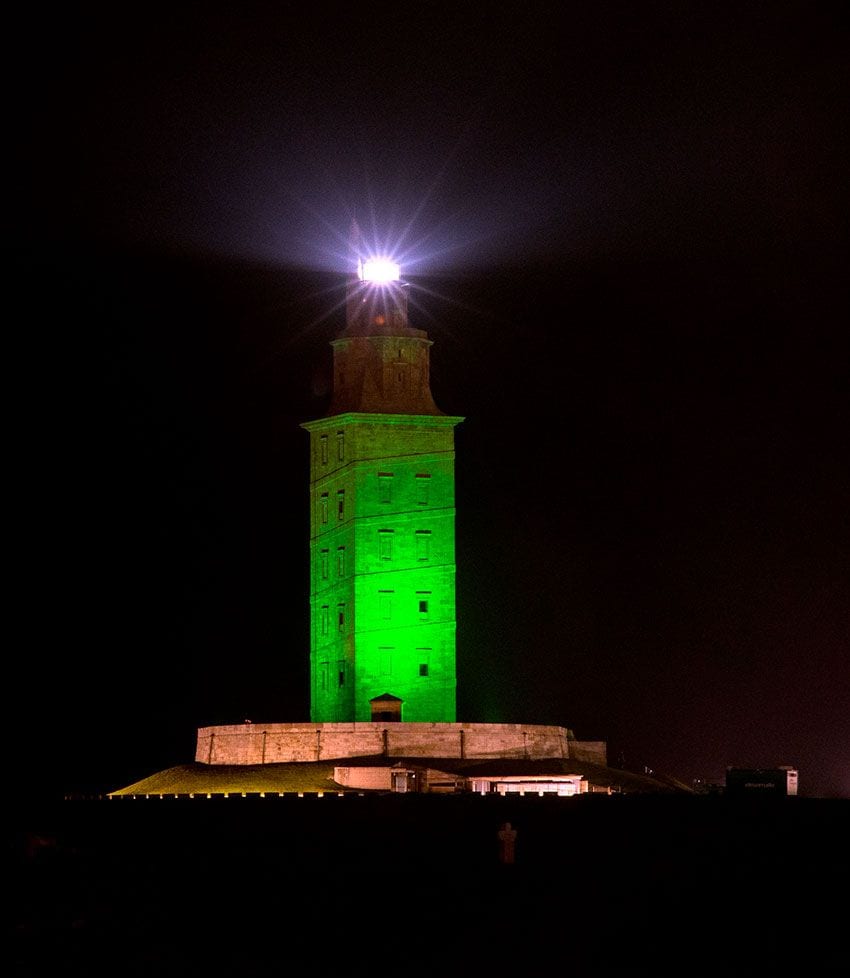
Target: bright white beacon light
(378,270)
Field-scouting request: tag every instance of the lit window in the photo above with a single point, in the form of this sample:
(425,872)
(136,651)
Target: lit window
(340,445)
(340,561)
(423,544)
(340,504)
(385,487)
(385,544)
(423,486)
(324,444)
(323,507)
(324,565)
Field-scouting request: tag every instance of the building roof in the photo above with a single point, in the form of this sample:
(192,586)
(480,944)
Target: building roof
(313,777)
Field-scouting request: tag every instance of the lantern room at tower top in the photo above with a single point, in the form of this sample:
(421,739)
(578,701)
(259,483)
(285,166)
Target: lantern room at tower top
(382,535)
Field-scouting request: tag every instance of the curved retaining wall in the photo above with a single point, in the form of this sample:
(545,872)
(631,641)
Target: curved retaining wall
(275,743)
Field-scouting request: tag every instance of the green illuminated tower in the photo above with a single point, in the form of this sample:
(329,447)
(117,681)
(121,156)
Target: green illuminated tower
(382,548)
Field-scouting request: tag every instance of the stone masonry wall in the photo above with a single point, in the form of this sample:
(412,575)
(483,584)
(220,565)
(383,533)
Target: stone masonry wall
(274,743)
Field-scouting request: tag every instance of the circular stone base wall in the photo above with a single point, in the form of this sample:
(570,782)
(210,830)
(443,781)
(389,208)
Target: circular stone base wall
(276,743)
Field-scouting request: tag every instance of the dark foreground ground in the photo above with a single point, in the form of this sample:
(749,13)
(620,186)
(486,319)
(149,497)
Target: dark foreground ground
(416,885)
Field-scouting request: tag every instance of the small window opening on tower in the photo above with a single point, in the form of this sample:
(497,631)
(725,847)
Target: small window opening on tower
(340,504)
(385,487)
(324,565)
(340,617)
(340,446)
(325,619)
(323,441)
(323,507)
(385,660)
(323,674)
(385,604)
(423,668)
(385,544)
(340,673)
(340,561)
(423,656)
(423,487)
(423,599)
(423,544)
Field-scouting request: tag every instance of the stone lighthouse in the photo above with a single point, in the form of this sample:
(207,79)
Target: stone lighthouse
(382,523)
(382,584)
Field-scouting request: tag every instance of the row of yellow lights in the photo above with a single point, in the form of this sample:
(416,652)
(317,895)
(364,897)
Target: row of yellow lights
(321,794)
(317,794)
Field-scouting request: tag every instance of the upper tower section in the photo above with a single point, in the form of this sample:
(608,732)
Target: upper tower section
(381,364)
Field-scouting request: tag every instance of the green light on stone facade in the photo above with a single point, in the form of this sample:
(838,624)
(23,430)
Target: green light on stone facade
(382,565)
(382,515)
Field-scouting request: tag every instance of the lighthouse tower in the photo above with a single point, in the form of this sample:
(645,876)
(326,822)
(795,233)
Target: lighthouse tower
(382,537)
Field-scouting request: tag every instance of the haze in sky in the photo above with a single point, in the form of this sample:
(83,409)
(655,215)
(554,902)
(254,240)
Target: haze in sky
(623,232)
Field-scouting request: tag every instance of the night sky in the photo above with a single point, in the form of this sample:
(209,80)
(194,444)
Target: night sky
(624,229)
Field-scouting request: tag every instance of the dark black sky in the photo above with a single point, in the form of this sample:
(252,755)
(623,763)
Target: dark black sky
(624,228)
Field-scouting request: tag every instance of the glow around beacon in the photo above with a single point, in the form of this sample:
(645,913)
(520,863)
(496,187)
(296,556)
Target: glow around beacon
(378,270)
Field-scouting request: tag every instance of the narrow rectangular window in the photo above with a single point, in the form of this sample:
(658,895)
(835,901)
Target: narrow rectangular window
(340,617)
(340,673)
(423,668)
(423,544)
(423,599)
(424,658)
(385,487)
(323,507)
(423,487)
(323,674)
(340,445)
(385,604)
(340,504)
(385,660)
(385,544)
(324,443)
(325,619)
(340,561)
(324,565)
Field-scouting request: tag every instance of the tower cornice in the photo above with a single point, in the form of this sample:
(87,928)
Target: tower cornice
(363,417)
